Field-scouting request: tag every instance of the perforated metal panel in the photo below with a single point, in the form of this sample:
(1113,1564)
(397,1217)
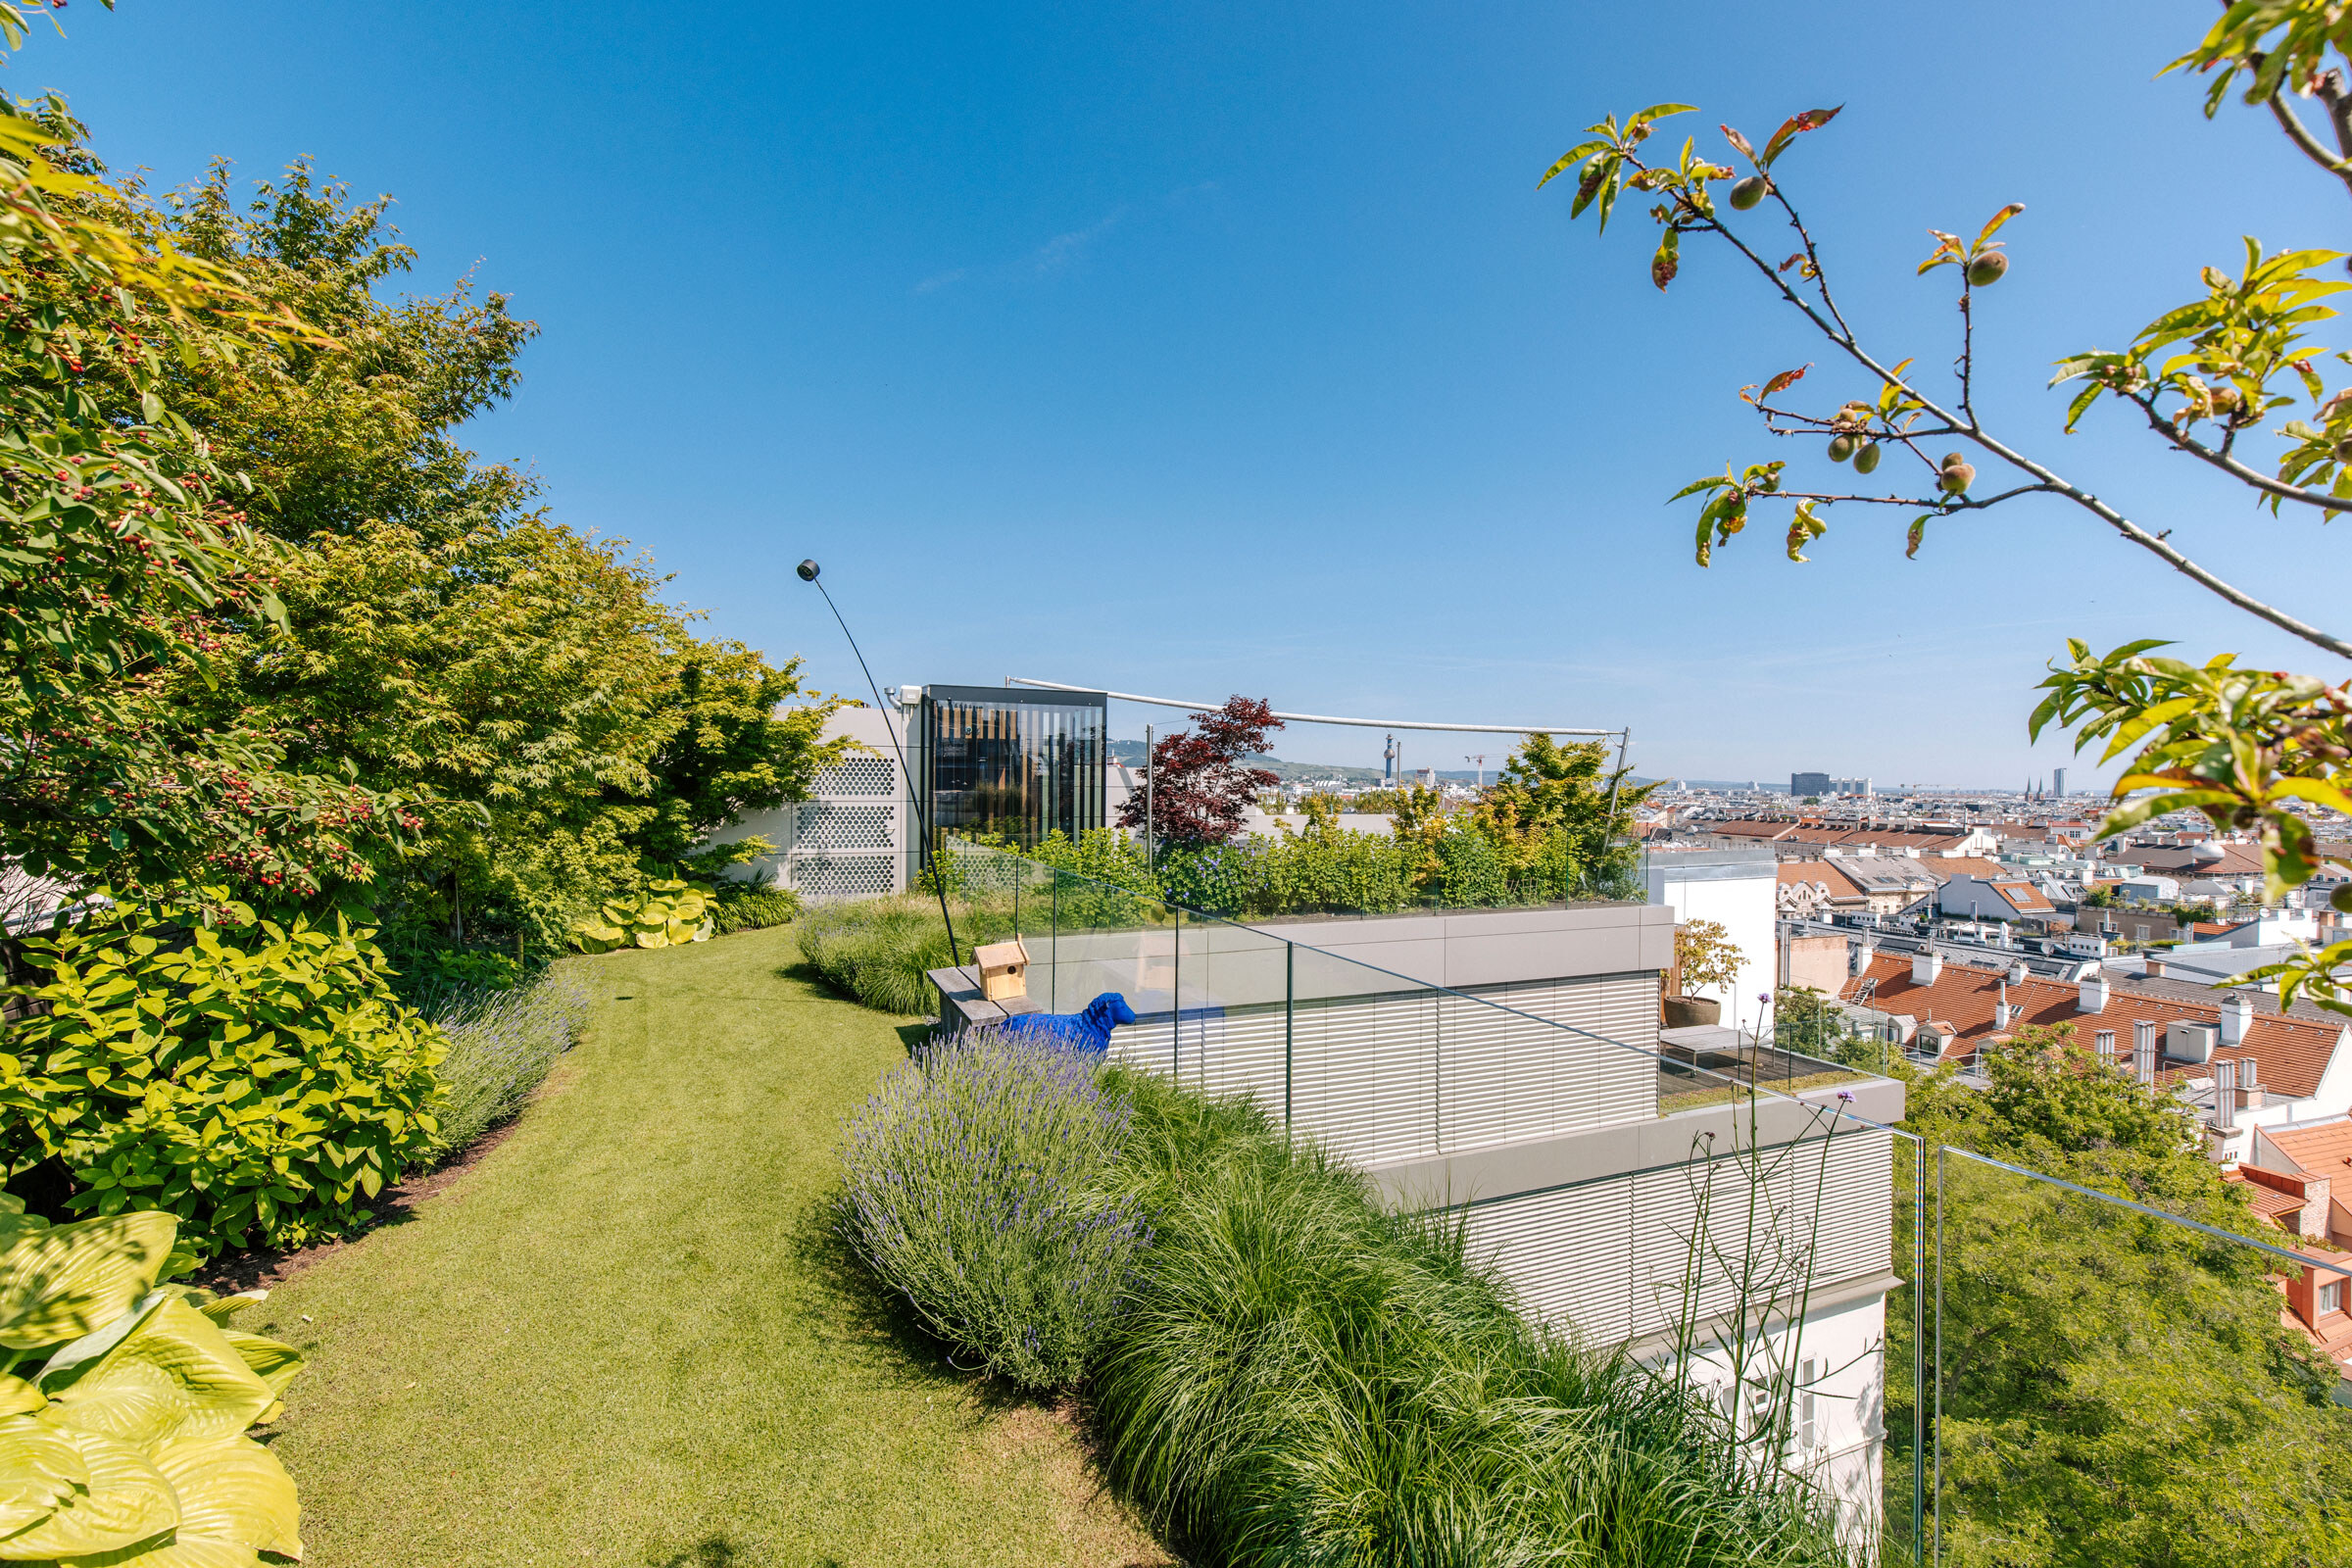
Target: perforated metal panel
(858,775)
(850,840)
(833,825)
(844,876)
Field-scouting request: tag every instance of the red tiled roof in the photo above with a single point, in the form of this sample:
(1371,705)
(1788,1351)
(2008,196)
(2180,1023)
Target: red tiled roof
(2268,1204)
(2322,1151)
(2290,1053)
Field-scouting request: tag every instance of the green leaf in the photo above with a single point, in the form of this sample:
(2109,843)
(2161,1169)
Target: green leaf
(234,1496)
(128,1502)
(66,1281)
(1576,154)
(1792,127)
(175,1375)
(40,1469)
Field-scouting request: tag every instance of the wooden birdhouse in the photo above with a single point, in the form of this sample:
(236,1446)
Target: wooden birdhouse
(1004,969)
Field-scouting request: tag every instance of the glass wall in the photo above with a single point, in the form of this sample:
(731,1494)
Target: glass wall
(1004,761)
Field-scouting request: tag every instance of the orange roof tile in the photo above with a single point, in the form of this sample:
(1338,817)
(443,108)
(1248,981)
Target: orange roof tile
(2290,1053)
(2268,1204)
(2322,1151)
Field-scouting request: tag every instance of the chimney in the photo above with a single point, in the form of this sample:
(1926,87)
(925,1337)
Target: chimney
(2093,999)
(1925,968)
(2104,1043)
(2155,968)
(2143,1050)
(2017,973)
(2238,1016)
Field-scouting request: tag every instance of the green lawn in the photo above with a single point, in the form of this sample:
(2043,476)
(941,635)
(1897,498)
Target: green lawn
(625,1336)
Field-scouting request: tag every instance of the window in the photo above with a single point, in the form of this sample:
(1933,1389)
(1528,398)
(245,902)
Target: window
(2332,1298)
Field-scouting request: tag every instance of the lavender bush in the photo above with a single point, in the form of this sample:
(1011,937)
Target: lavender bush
(980,1188)
(502,1046)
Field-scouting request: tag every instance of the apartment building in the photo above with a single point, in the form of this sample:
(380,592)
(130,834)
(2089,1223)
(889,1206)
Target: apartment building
(2245,1065)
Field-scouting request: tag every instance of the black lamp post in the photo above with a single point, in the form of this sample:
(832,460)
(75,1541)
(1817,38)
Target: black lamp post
(809,570)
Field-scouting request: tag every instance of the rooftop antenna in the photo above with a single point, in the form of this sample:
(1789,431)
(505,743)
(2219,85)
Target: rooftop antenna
(809,570)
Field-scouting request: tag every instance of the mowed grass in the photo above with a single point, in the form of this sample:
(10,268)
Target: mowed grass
(626,1336)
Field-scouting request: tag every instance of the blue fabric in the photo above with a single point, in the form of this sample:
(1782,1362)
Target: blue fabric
(1089,1030)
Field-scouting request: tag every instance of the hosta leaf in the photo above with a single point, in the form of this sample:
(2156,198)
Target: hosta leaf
(41,1467)
(234,1498)
(275,1364)
(129,1500)
(175,1375)
(66,1281)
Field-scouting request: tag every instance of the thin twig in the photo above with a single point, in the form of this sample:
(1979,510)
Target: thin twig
(2054,483)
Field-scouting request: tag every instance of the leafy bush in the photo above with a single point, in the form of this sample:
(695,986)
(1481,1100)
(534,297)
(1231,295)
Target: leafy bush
(257,1080)
(128,1445)
(1301,1377)
(669,913)
(502,1046)
(744,908)
(877,949)
(979,1189)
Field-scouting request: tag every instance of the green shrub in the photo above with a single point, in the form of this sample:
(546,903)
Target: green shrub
(978,1187)
(502,1046)
(123,1441)
(878,949)
(744,908)
(1301,1377)
(259,1081)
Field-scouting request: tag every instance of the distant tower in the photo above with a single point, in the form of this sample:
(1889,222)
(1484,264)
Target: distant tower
(2058,783)
(1387,763)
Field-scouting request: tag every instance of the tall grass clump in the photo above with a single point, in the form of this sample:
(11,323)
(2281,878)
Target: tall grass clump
(878,949)
(502,1046)
(742,907)
(979,1189)
(1301,1377)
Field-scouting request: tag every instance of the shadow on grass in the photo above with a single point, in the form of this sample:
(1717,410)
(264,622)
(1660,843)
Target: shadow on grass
(712,1551)
(867,1310)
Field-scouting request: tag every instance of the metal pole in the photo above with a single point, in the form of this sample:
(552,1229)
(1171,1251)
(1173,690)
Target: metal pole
(1918,1341)
(1151,848)
(1290,1012)
(1176,997)
(808,570)
(1937,1557)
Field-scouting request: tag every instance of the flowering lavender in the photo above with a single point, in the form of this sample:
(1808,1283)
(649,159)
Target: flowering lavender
(501,1045)
(979,1188)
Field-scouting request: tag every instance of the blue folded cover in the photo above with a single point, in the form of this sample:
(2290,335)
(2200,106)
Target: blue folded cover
(1089,1030)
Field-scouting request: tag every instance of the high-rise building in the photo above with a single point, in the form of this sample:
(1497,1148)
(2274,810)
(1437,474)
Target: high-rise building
(2058,783)
(1803,784)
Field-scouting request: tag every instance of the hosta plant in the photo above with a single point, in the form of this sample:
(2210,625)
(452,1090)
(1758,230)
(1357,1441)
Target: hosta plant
(259,1081)
(125,1402)
(671,914)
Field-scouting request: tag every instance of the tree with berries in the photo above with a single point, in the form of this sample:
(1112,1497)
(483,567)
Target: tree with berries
(2229,379)
(1202,780)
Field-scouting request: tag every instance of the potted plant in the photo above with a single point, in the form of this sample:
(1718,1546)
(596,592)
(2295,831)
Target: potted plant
(1704,956)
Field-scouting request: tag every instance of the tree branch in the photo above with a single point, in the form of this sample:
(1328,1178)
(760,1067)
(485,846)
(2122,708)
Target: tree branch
(2231,466)
(2049,480)
(2300,134)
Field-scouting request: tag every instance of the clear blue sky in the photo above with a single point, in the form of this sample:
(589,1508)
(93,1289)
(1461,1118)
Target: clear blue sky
(1214,348)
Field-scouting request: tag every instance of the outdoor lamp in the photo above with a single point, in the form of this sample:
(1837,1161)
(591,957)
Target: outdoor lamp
(808,570)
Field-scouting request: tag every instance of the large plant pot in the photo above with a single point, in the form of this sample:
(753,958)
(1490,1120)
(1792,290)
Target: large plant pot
(1686,1012)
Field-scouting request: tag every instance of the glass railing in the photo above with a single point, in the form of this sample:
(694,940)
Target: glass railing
(1972,1363)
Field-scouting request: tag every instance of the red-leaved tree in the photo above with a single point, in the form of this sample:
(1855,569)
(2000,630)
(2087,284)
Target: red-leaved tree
(1201,779)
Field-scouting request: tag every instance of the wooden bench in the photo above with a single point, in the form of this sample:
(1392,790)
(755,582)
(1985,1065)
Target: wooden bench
(961,1005)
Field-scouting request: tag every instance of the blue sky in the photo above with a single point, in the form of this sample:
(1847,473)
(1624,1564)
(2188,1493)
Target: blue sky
(1220,348)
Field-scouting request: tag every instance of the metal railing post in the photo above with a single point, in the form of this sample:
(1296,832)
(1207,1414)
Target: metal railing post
(1176,997)
(1919,1343)
(1937,1557)
(1290,1018)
